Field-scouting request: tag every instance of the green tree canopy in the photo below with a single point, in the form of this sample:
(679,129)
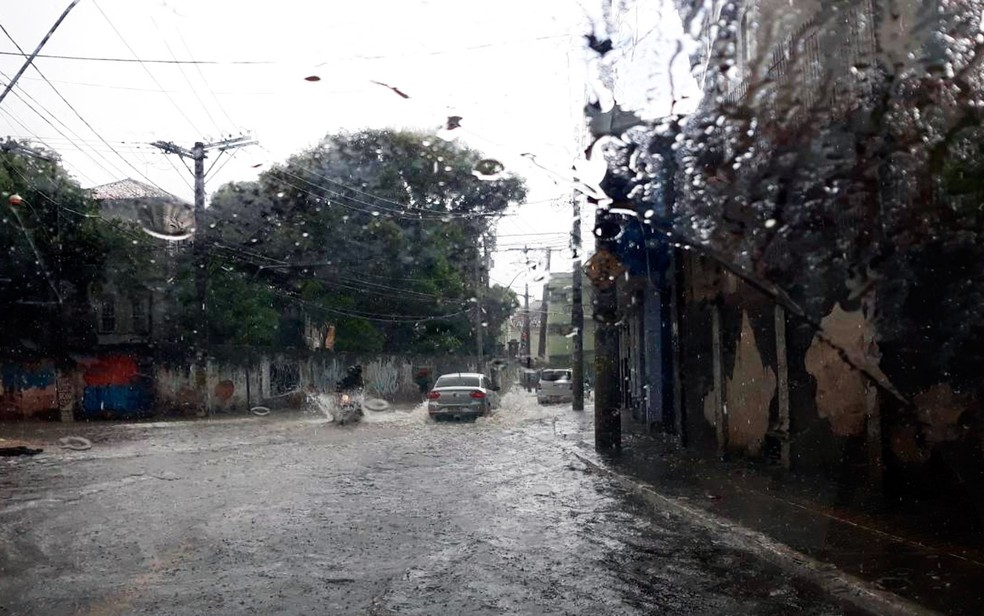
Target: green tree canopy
(378,232)
(54,247)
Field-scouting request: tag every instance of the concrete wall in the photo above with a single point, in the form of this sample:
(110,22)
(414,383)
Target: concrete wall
(735,407)
(28,389)
(840,418)
(278,380)
(130,384)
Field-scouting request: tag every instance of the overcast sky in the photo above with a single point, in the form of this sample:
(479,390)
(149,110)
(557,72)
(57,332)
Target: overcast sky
(515,70)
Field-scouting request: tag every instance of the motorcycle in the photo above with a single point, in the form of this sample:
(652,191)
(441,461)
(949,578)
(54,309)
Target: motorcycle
(348,407)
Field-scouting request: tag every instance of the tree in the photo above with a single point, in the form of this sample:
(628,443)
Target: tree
(54,250)
(376,231)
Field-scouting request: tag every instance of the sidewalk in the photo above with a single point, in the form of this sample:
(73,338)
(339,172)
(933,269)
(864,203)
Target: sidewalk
(875,560)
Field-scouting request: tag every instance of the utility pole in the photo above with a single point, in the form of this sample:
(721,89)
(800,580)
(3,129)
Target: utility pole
(37,50)
(526,327)
(479,337)
(603,269)
(541,349)
(577,310)
(528,361)
(200,249)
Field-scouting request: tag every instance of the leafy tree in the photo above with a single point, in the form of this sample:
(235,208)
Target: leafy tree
(375,231)
(54,248)
(240,311)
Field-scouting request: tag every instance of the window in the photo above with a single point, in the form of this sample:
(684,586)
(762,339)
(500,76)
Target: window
(107,316)
(457,380)
(555,375)
(140,316)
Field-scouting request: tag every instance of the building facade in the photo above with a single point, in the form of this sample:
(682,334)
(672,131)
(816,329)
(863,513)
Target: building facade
(793,227)
(560,331)
(141,308)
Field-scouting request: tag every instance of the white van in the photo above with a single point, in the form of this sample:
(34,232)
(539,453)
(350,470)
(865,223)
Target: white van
(556,385)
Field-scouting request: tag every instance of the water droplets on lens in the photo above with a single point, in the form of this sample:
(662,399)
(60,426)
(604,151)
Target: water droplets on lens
(489,169)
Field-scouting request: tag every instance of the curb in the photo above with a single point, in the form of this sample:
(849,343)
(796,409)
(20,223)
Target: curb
(841,586)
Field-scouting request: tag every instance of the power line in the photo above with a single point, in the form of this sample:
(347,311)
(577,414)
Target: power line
(408,213)
(41,141)
(369,316)
(389,318)
(181,69)
(498,235)
(79,115)
(353,189)
(59,131)
(30,59)
(137,60)
(204,79)
(112,86)
(143,64)
(404,207)
(222,166)
(178,171)
(278,62)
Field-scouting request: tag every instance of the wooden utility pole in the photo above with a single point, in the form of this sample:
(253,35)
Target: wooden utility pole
(198,154)
(604,269)
(34,54)
(526,342)
(608,386)
(577,311)
(541,349)
(479,327)
(528,360)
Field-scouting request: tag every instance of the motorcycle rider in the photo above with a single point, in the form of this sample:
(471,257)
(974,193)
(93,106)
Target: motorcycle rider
(352,381)
(349,391)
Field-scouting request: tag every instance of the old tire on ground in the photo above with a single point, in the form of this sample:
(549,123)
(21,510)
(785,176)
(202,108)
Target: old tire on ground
(376,404)
(75,443)
(260,411)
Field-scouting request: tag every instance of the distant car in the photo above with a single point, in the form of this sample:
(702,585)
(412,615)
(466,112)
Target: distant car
(556,385)
(461,395)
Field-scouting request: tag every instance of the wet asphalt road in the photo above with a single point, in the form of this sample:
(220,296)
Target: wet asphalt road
(396,516)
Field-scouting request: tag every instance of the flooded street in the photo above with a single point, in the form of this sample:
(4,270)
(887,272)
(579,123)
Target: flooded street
(397,515)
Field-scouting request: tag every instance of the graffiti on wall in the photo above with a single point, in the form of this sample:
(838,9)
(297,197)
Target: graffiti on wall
(382,378)
(749,391)
(285,377)
(27,389)
(114,386)
(224,390)
(840,387)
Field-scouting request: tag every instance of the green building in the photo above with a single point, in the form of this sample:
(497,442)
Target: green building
(560,333)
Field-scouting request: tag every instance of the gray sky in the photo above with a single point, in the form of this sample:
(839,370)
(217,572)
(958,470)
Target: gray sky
(515,70)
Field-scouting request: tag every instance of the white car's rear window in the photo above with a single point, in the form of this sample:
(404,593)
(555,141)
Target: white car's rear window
(556,375)
(455,380)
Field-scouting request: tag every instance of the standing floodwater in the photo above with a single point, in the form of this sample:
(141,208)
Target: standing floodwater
(397,515)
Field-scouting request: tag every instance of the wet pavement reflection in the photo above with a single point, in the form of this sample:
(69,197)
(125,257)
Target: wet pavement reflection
(398,515)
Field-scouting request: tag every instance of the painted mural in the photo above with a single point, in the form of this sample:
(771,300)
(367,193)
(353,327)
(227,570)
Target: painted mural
(114,387)
(27,389)
(749,391)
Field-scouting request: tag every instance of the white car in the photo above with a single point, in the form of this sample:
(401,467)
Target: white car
(556,385)
(461,394)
